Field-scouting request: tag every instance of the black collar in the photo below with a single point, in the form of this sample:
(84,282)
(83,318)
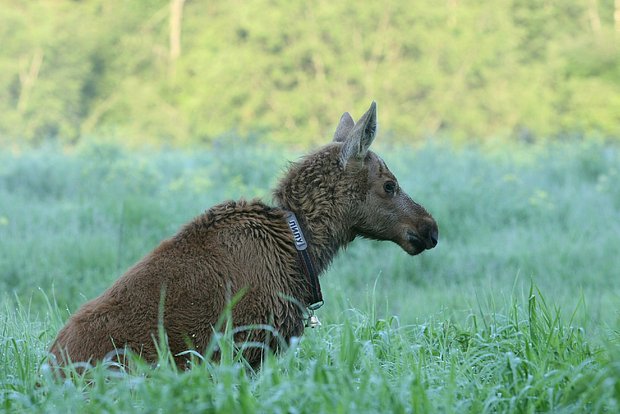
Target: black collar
(306,261)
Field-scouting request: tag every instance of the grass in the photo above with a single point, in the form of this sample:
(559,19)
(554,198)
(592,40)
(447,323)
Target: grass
(516,310)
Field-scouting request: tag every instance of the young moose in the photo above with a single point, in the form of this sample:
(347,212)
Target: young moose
(337,193)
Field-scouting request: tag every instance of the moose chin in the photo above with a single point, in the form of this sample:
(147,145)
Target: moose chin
(274,254)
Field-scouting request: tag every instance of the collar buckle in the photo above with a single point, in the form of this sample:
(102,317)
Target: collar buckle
(316,305)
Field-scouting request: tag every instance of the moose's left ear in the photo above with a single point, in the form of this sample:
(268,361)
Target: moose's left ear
(345,126)
(361,136)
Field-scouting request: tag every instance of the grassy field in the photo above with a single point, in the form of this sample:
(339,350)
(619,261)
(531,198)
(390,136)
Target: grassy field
(516,310)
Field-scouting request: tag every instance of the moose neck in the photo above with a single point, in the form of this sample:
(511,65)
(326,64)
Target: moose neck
(324,238)
(322,213)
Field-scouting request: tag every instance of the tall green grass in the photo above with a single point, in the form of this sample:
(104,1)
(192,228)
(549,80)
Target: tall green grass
(516,310)
(526,360)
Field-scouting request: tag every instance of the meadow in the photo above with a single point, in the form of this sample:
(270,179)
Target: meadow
(517,309)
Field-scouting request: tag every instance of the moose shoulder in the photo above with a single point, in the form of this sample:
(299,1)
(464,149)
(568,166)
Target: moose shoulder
(341,191)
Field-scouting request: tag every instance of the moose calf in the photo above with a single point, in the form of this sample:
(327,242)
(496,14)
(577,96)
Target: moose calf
(273,254)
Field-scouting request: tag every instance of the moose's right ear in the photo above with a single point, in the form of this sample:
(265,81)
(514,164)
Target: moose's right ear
(360,137)
(345,126)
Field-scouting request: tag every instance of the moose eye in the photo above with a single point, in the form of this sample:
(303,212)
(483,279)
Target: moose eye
(389,187)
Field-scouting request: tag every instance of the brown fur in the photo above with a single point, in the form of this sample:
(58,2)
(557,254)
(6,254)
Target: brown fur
(337,193)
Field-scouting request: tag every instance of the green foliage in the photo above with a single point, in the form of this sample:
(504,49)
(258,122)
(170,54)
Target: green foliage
(525,69)
(516,310)
(527,360)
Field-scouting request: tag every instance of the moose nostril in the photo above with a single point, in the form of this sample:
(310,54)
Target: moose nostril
(434,236)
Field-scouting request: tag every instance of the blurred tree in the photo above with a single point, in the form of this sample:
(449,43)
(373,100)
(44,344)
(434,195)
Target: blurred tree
(467,69)
(176,18)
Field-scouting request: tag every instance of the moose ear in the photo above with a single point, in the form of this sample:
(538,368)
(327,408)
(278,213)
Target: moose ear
(344,127)
(360,137)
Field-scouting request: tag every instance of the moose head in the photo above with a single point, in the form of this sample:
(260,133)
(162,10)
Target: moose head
(386,212)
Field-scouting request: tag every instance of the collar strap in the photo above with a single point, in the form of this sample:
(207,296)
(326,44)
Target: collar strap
(306,261)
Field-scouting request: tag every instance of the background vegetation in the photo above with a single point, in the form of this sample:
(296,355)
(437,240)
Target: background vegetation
(175,72)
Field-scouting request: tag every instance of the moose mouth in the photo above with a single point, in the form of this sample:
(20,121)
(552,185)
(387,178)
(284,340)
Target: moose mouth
(416,245)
